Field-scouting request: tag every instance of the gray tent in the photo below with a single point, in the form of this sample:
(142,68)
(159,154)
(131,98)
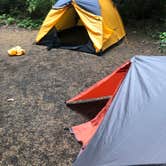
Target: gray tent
(133,131)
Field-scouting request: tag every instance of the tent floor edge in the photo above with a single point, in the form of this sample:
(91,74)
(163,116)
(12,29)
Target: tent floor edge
(54,39)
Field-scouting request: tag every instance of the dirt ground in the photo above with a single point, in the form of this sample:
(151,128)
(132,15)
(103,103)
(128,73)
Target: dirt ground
(32,126)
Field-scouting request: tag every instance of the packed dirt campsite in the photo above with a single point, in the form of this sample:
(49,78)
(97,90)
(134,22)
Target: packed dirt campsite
(35,121)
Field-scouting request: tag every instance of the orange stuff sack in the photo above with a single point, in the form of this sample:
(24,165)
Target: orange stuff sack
(16,51)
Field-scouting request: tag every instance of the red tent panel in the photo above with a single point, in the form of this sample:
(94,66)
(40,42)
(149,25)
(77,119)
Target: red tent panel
(96,99)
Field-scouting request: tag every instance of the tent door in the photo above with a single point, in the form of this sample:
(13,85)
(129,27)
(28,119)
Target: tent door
(69,33)
(74,36)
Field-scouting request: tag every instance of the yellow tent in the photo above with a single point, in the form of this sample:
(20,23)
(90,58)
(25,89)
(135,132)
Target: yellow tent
(85,25)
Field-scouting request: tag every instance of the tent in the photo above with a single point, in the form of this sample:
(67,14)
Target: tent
(130,126)
(84,25)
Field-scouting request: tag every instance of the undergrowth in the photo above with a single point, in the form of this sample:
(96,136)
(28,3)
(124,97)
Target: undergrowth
(159,34)
(162,39)
(27,23)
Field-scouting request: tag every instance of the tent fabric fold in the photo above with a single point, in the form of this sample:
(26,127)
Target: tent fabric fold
(104,88)
(132,131)
(50,21)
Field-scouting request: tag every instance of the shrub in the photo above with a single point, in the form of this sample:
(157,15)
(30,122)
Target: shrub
(128,8)
(24,8)
(23,23)
(139,9)
(162,37)
(39,8)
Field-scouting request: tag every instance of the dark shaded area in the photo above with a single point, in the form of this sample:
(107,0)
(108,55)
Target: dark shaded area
(75,38)
(13,7)
(26,8)
(88,108)
(50,40)
(142,9)
(137,9)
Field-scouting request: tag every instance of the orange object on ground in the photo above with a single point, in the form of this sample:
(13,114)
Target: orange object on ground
(96,100)
(16,51)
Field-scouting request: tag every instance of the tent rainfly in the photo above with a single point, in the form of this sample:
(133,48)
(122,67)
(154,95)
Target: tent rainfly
(84,25)
(130,126)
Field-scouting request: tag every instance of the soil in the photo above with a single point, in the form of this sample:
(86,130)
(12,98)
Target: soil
(35,86)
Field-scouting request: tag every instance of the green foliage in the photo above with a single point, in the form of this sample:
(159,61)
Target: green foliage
(128,8)
(7,19)
(23,23)
(10,6)
(32,5)
(162,38)
(38,8)
(29,23)
(26,8)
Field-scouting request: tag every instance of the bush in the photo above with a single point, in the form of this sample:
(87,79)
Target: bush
(139,9)
(163,42)
(128,8)
(23,23)
(12,6)
(39,8)
(24,8)
(7,19)
(29,23)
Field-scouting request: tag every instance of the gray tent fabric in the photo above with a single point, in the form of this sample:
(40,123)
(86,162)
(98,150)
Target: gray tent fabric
(61,3)
(133,131)
(89,5)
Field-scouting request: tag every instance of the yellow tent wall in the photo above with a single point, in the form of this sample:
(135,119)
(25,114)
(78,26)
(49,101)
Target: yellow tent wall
(93,25)
(50,21)
(113,29)
(104,30)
